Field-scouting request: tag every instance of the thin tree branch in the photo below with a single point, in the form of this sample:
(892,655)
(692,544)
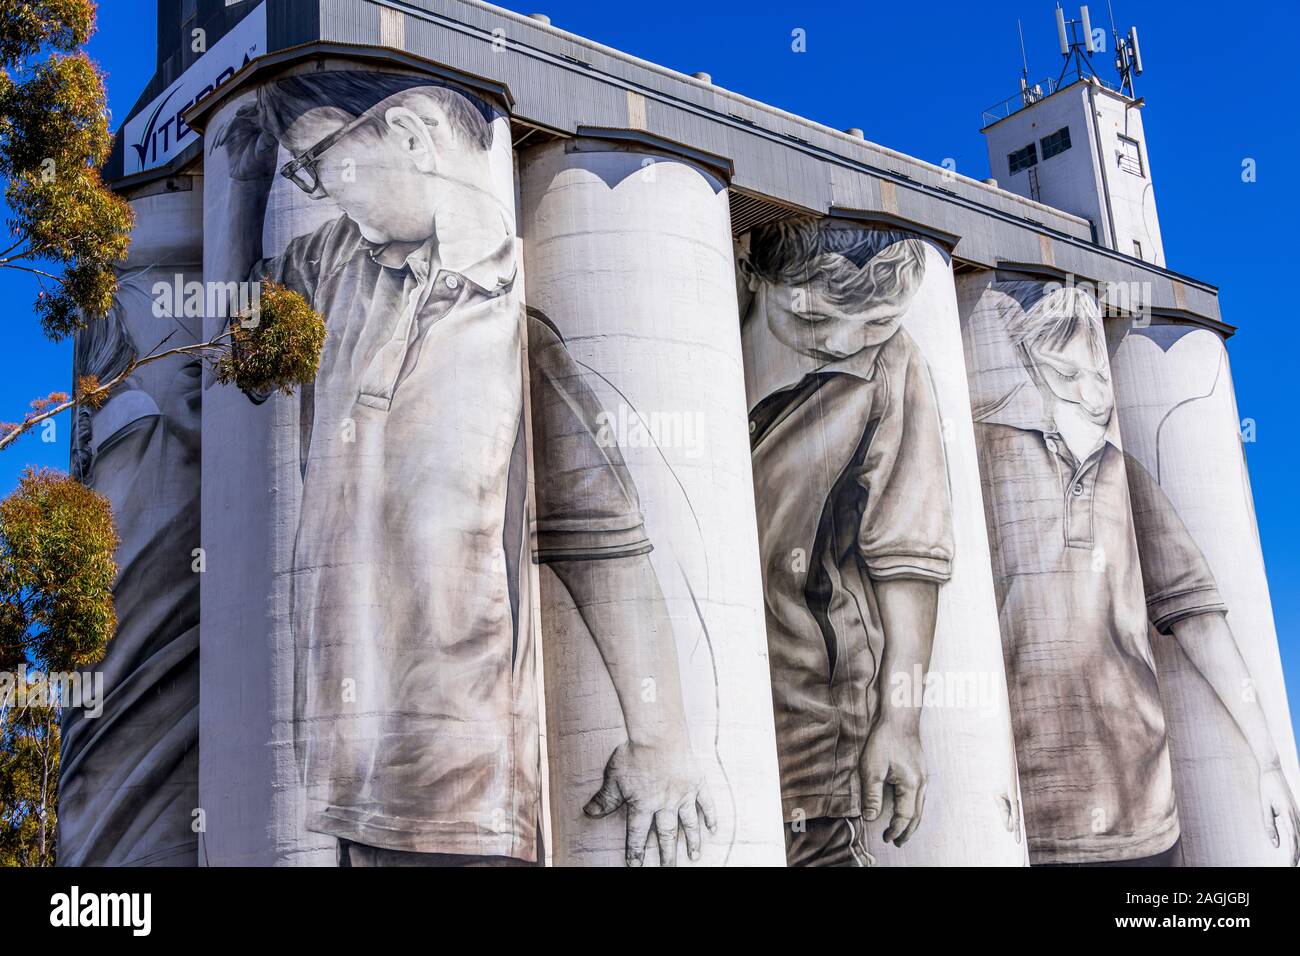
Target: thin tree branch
(39,272)
(198,349)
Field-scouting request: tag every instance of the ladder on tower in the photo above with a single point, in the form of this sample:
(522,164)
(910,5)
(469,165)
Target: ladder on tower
(1034,192)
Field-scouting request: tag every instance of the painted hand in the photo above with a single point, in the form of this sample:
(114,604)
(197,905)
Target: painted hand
(660,787)
(253,151)
(1277,801)
(893,757)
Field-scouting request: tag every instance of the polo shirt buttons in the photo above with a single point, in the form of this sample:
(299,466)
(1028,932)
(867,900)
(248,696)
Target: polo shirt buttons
(452,282)
(1077,490)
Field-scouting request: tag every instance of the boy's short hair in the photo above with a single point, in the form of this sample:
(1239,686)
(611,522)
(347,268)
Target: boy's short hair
(1054,318)
(282,102)
(854,265)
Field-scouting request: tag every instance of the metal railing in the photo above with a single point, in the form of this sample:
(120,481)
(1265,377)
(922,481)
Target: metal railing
(1039,91)
(1018,101)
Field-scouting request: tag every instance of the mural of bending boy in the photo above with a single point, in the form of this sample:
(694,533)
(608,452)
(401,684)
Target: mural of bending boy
(416,700)
(1078,529)
(855,522)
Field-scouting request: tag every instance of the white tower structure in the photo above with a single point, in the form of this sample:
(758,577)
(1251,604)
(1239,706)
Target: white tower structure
(1077,142)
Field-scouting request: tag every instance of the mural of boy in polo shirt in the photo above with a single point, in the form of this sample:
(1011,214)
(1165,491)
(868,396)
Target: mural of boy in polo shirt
(416,701)
(855,523)
(1077,530)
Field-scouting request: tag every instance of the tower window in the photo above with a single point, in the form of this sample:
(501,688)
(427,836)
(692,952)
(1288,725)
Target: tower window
(1057,142)
(1022,159)
(1129,156)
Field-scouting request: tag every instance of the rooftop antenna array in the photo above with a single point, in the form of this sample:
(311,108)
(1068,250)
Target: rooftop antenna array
(1076,49)
(1079,43)
(1128,55)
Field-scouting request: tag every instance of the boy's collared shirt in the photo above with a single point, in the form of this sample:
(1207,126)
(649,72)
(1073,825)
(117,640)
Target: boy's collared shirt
(587,507)
(415,690)
(851,488)
(1089,727)
(413,543)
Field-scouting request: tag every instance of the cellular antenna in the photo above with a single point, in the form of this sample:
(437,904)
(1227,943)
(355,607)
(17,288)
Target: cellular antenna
(1076,50)
(1128,60)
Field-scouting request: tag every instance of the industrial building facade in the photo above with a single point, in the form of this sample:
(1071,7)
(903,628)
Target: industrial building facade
(684,482)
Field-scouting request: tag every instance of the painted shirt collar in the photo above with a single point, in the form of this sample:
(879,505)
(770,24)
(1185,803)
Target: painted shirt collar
(493,272)
(771,366)
(1024,407)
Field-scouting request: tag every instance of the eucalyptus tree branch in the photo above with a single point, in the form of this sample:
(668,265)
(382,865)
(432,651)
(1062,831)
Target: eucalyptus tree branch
(100,390)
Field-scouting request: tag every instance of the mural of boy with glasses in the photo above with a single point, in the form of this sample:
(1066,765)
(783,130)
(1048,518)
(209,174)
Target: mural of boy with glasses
(855,521)
(416,692)
(1077,530)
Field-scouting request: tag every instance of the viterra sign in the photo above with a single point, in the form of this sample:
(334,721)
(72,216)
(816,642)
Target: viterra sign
(159,132)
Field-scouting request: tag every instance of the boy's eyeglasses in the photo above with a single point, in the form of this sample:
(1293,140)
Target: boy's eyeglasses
(302,171)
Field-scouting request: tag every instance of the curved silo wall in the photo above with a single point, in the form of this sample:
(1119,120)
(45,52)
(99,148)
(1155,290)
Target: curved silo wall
(651,605)
(1180,422)
(369,693)
(890,700)
(128,787)
(1089,726)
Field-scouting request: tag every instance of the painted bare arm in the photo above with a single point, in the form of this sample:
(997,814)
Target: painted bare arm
(251,156)
(1208,642)
(893,756)
(653,774)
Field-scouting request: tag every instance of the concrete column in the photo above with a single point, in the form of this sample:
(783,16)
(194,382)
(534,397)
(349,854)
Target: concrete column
(1179,417)
(869,509)
(368,690)
(129,778)
(656,666)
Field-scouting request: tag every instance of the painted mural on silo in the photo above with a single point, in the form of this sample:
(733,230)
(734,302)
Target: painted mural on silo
(128,783)
(659,726)
(890,702)
(399,512)
(1081,583)
(1178,415)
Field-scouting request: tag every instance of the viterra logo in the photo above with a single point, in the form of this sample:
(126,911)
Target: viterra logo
(164,138)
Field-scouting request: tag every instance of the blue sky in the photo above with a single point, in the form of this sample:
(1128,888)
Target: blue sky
(915,78)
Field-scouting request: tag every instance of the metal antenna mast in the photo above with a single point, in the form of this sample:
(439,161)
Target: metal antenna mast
(1075,50)
(1023,55)
(1027,96)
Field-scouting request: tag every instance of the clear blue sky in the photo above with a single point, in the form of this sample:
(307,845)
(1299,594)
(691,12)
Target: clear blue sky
(915,77)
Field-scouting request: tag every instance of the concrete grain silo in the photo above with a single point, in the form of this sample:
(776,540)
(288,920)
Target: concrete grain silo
(640,398)
(651,603)
(887,673)
(129,784)
(1118,628)
(1090,731)
(1179,418)
(370,694)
